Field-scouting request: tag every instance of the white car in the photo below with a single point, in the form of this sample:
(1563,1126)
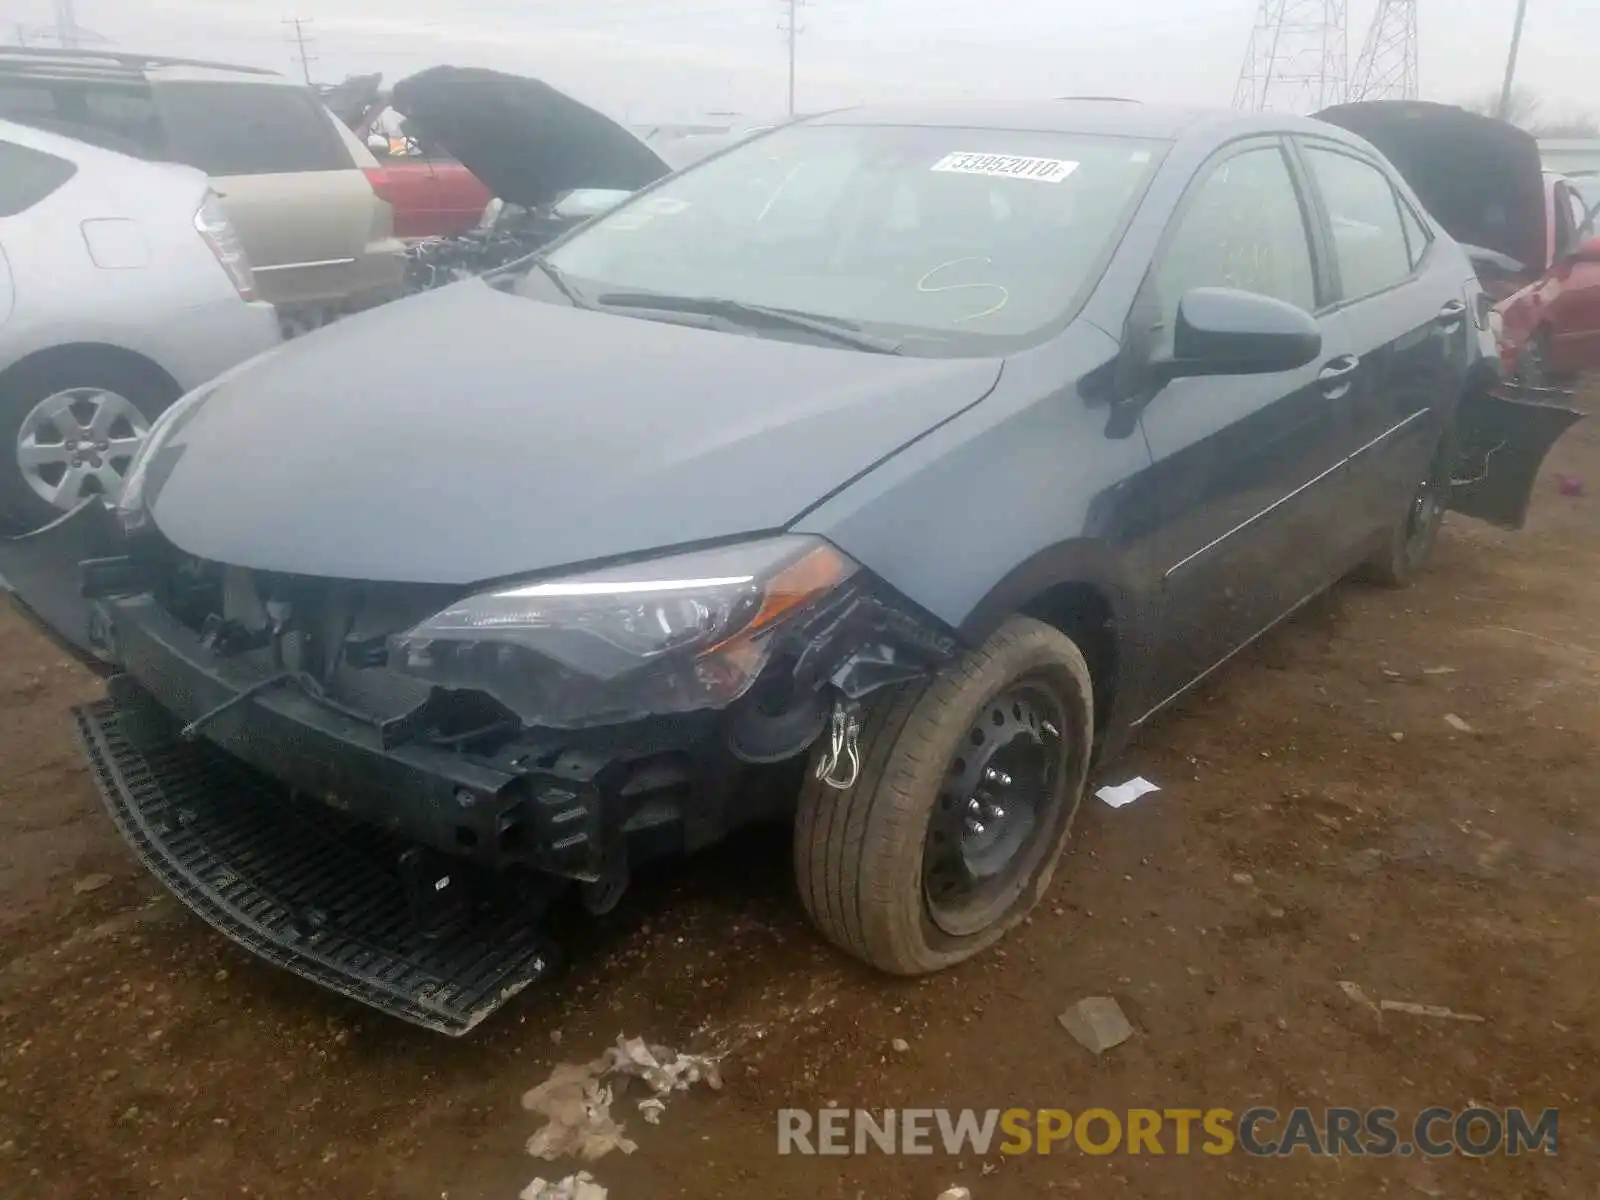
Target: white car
(122,286)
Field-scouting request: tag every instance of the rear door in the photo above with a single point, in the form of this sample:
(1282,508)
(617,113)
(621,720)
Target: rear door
(302,206)
(1246,468)
(1404,310)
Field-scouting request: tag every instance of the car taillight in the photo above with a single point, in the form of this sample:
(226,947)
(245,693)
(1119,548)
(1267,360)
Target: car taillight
(212,224)
(380,181)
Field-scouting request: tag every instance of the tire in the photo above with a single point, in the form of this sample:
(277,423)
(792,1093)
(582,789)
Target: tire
(860,853)
(134,392)
(1408,549)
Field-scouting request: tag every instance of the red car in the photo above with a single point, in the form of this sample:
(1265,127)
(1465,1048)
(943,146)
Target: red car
(431,193)
(1530,233)
(1552,325)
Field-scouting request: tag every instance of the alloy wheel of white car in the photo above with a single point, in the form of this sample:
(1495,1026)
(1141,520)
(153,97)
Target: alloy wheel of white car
(78,443)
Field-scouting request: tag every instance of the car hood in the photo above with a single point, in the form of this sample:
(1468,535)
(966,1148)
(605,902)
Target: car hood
(527,141)
(469,434)
(353,100)
(1481,178)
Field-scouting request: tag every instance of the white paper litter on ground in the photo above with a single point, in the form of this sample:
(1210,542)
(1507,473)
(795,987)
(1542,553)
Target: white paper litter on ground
(1124,794)
(574,1187)
(576,1100)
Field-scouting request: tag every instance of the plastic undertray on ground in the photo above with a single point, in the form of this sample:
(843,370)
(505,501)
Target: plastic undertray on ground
(300,885)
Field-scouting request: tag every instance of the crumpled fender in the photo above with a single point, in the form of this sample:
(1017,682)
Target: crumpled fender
(43,570)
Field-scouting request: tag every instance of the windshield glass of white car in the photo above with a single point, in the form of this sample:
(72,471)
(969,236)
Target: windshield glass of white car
(948,240)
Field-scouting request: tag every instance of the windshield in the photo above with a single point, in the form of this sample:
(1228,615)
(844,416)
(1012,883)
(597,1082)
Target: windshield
(949,241)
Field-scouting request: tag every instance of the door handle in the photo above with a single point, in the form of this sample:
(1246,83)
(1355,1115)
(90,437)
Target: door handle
(1450,315)
(1336,376)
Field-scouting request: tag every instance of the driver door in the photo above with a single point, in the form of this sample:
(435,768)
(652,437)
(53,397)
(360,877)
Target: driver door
(1247,469)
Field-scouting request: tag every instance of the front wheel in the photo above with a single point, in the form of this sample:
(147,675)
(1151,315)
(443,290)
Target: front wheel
(964,802)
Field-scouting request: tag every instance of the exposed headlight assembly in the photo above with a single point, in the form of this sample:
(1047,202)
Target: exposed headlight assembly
(132,504)
(670,635)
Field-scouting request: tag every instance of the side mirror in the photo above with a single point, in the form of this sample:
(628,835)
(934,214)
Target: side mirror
(1588,250)
(1223,331)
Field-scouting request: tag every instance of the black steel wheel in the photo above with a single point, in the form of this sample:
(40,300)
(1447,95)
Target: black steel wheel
(964,802)
(999,794)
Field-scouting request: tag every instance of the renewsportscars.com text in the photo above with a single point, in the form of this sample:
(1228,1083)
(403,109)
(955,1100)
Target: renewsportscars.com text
(1259,1132)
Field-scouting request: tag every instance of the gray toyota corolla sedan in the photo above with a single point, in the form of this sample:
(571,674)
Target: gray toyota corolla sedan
(928,454)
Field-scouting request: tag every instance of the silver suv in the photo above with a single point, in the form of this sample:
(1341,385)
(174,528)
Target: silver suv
(291,177)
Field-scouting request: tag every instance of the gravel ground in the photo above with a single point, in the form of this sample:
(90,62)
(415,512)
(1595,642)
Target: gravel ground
(1320,820)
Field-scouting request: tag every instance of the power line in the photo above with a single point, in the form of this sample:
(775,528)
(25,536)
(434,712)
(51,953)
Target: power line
(299,24)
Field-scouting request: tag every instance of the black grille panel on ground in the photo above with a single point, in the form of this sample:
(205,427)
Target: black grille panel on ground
(301,886)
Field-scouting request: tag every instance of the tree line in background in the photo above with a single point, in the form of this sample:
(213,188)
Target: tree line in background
(1527,110)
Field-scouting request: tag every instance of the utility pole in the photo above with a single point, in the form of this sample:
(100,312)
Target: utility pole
(791,31)
(1511,60)
(299,24)
(22,34)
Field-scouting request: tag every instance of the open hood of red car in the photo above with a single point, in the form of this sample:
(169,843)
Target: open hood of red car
(1480,177)
(527,141)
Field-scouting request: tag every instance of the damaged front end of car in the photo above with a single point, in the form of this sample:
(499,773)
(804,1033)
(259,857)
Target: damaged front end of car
(386,787)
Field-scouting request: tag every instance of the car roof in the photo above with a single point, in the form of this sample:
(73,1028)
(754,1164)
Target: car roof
(116,66)
(1110,116)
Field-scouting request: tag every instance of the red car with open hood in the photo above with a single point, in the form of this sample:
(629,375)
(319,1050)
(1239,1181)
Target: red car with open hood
(1531,234)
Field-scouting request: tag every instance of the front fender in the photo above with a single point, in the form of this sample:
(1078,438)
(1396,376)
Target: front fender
(43,570)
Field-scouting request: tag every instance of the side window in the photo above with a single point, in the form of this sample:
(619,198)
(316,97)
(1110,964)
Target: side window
(250,129)
(27,177)
(1418,239)
(1243,228)
(1369,241)
(1580,215)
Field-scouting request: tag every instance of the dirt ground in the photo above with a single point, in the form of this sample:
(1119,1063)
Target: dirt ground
(1320,820)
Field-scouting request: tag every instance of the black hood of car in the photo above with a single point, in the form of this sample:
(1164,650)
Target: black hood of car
(527,141)
(353,99)
(470,434)
(1481,178)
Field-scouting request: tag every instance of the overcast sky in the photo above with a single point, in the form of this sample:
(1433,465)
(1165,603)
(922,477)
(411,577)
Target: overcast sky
(649,60)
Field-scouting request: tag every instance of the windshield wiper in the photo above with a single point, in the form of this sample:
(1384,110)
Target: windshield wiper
(556,276)
(834,329)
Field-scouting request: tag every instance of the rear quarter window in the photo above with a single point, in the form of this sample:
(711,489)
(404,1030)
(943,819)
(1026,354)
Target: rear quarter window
(28,176)
(249,129)
(112,116)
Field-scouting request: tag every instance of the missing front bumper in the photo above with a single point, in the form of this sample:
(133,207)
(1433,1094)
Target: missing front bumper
(302,886)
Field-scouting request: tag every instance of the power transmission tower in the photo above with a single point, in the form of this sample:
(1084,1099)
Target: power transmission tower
(790,28)
(306,59)
(69,34)
(1387,67)
(1298,59)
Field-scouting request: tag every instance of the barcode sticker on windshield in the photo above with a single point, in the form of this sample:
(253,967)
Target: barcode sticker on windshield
(1007,166)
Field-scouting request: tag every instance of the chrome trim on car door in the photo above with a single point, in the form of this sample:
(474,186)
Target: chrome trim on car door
(321,262)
